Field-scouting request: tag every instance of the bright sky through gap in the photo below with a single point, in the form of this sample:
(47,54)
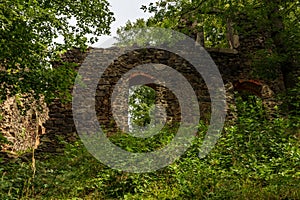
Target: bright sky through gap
(123,10)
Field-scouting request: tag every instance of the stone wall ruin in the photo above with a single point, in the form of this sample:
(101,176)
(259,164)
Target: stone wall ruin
(232,64)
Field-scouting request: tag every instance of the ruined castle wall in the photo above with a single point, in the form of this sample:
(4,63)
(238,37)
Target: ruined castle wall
(232,64)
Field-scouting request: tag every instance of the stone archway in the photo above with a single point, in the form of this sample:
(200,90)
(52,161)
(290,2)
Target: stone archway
(259,89)
(165,100)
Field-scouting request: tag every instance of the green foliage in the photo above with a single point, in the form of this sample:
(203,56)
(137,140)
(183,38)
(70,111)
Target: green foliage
(292,104)
(210,17)
(159,139)
(267,65)
(141,101)
(254,159)
(3,140)
(275,23)
(169,14)
(27,32)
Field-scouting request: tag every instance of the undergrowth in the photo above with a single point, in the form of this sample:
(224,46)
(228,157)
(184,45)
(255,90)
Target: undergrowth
(256,158)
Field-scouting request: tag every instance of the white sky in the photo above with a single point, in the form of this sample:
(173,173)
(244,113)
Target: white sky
(123,10)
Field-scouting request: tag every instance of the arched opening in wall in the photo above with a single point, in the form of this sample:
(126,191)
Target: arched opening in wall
(248,87)
(141,107)
(151,105)
(141,101)
(143,94)
(112,113)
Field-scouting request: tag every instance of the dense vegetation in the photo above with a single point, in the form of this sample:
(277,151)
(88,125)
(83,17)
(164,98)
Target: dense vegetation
(254,159)
(257,157)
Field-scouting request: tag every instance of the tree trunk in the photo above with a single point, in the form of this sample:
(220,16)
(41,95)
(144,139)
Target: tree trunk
(289,68)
